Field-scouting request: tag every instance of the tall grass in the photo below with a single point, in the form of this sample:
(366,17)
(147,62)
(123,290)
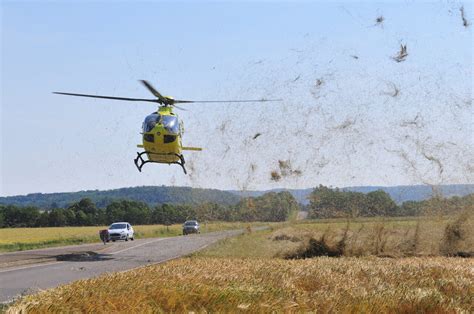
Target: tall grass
(202,284)
(459,236)
(387,238)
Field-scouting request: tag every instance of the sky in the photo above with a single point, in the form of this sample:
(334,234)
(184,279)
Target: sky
(351,115)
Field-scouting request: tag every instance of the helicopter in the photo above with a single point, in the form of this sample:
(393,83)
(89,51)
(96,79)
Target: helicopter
(162,130)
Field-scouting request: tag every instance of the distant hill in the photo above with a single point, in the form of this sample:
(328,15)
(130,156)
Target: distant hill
(404,193)
(151,195)
(399,194)
(300,195)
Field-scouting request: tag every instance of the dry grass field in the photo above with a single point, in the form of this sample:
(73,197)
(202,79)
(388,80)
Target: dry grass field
(202,284)
(423,236)
(17,239)
(256,272)
(395,237)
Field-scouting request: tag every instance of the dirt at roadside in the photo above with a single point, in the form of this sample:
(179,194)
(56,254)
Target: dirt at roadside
(29,257)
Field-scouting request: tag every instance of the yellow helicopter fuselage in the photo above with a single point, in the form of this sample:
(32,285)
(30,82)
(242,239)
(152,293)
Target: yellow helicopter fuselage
(163,144)
(162,132)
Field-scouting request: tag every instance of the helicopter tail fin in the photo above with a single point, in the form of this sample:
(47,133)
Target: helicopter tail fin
(192,148)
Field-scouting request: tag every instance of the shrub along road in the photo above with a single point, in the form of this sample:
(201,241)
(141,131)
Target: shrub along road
(62,265)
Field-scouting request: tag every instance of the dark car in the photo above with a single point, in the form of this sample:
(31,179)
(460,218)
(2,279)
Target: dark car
(190,226)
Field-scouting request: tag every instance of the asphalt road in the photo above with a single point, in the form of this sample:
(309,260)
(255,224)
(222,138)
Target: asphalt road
(28,272)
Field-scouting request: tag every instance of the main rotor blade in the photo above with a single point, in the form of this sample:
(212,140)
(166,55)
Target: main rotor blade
(176,101)
(154,91)
(108,97)
(178,107)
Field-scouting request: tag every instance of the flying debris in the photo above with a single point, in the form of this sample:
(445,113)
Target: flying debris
(256,135)
(465,23)
(402,54)
(379,21)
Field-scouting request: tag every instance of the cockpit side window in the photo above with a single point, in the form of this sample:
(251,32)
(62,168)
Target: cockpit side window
(150,122)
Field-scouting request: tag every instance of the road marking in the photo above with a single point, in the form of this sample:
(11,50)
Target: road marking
(113,253)
(31,266)
(166,259)
(138,245)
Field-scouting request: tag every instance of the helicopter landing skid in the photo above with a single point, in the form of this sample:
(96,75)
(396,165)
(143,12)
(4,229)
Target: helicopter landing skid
(139,161)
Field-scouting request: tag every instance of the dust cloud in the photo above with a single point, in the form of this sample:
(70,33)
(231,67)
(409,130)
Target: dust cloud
(349,116)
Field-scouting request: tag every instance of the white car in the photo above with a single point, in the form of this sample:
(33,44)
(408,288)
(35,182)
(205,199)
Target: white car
(121,231)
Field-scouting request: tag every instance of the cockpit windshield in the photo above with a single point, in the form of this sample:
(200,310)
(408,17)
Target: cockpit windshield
(171,124)
(150,122)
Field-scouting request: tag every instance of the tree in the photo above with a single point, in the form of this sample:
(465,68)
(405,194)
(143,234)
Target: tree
(410,208)
(115,212)
(379,203)
(333,203)
(164,215)
(86,207)
(69,216)
(327,203)
(268,207)
(132,211)
(57,218)
(82,219)
(136,212)
(43,220)
(14,216)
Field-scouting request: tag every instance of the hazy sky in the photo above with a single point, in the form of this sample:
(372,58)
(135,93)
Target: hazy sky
(351,115)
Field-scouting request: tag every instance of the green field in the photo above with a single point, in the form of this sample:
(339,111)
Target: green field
(17,239)
(254,273)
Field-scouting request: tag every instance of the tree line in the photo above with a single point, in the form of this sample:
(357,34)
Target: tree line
(151,195)
(326,202)
(269,207)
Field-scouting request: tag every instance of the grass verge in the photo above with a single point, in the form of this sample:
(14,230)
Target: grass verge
(19,239)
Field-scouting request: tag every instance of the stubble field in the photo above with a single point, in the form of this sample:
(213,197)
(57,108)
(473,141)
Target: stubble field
(262,272)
